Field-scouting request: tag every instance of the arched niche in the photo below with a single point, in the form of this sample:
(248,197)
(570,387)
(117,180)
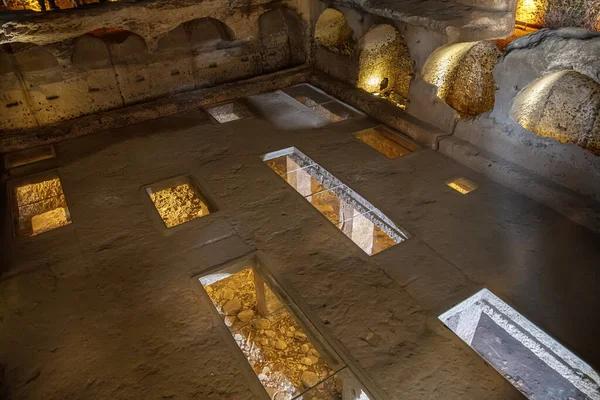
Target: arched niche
(282,39)
(31,57)
(16,112)
(385,66)
(124,46)
(563,105)
(207,33)
(462,72)
(333,32)
(90,52)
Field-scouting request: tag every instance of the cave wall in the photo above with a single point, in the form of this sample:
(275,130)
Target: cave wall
(536,56)
(51,72)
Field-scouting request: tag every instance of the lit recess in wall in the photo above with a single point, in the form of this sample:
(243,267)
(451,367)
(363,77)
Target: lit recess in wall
(228,112)
(321,103)
(462,185)
(39,205)
(358,219)
(531,12)
(178,201)
(386,142)
(29,156)
(289,356)
(535,363)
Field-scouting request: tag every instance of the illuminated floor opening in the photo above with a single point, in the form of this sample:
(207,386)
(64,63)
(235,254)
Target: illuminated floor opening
(287,354)
(29,156)
(368,227)
(321,103)
(178,201)
(227,112)
(386,142)
(532,361)
(462,185)
(39,205)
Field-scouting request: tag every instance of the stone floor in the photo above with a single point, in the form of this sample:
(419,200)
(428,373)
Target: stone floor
(109,306)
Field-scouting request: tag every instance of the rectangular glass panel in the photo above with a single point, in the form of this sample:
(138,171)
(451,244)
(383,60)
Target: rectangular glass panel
(356,217)
(386,142)
(177,202)
(285,351)
(29,156)
(535,363)
(40,205)
(320,103)
(307,94)
(462,185)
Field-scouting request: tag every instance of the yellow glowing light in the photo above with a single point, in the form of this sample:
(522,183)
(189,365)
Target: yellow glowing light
(531,12)
(462,185)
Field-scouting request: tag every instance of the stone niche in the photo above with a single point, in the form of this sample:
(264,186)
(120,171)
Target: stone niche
(335,46)
(61,71)
(546,116)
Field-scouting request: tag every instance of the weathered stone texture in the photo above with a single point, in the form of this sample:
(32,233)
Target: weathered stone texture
(463,74)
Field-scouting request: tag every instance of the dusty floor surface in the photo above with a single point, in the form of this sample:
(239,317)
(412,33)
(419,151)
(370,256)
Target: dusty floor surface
(108,306)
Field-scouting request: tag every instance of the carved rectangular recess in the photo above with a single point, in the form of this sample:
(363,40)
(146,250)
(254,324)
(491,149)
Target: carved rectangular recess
(387,142)
(28,156)
(462,185)
(178,200)
(321,103)
(535,363)
(38,204)
(228,112)
(358,219)
(289,356)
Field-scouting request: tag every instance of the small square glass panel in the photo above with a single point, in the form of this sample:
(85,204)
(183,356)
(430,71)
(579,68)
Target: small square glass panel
(39,205)
(227,112)
(386,142)
(535,363)
(462,185)
(178,201)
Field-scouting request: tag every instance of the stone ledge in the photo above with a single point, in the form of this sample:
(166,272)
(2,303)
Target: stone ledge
(380,109)
(576,207)
(134,114)
(459,22)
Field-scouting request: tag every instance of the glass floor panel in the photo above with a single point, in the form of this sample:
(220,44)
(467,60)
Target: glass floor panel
(39,205)
(356,217)
(291,359)
(386,142)
(535,363)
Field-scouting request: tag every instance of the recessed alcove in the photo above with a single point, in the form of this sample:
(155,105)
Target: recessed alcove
(462,73)
(385,66)
(535,363)
(290,357)
(562,105)
(358,219)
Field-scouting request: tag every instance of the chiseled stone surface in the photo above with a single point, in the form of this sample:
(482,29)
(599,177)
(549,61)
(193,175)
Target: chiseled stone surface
(536,56)
(109,308)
